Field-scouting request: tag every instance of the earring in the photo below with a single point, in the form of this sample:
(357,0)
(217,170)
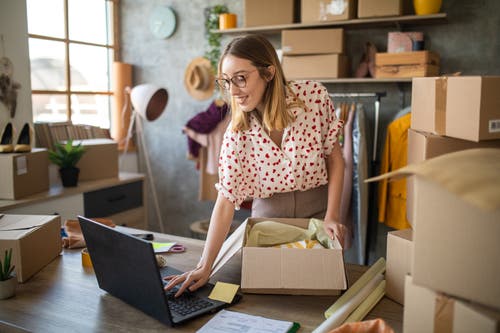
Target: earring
(24,140)
(6,145)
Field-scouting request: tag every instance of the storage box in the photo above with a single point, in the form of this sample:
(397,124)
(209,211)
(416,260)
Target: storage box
(398,265)
(406,64)
(23,174)
(320,66)
(398,41)
(264,12)
(457,229)
(35,241)
(428,105)
(427,311)
(371,8)
(312,41)
(100,159)
(327,10)
(473,107)
(423,146)
(287,270)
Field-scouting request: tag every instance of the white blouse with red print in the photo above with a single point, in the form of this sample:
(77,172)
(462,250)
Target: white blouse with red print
(251,165)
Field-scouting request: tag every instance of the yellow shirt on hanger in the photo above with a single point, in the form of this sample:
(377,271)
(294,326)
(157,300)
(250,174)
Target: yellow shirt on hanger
(392,195)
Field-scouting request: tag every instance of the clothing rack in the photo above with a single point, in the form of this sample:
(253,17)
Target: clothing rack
(378,96)
(371,232)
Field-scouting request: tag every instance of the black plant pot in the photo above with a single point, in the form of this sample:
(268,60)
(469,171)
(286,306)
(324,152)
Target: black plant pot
(69,176)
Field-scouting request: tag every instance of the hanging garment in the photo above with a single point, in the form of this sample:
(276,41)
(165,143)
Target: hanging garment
(359,196)
(204,123)
(392,195)
(204,148)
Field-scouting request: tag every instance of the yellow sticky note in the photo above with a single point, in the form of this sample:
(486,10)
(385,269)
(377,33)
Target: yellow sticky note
(224,292)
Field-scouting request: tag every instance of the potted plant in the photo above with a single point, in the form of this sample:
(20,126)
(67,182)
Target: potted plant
(66,156)
(8,281)
(214,39)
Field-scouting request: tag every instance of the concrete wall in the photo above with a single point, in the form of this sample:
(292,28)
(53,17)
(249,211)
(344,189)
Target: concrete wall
(467,43)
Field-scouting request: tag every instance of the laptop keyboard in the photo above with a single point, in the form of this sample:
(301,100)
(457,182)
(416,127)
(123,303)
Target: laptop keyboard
(187,303)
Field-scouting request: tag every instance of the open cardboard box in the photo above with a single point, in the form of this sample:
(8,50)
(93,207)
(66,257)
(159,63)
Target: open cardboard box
(457,224)
(269,270)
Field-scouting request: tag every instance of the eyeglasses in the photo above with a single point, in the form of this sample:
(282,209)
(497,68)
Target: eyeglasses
(239,81)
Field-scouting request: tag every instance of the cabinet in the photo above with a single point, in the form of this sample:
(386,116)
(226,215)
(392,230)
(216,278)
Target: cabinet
(396,21)
(120,199)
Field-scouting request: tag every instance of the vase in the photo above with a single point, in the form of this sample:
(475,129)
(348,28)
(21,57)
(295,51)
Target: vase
(69,176)
(8,288)
(426,7)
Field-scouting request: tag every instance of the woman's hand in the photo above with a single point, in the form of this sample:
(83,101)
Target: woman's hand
(193,280)
(335,229)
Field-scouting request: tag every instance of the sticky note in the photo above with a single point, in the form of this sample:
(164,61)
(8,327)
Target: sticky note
(224,292)
(162,247)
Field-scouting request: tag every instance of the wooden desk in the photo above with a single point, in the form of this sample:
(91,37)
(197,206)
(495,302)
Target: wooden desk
(64,297)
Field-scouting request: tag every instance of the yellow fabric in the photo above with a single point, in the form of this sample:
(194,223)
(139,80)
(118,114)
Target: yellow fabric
(304,244)
(392,195)
(270,233)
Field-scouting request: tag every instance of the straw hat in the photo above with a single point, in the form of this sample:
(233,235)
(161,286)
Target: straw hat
(199,79)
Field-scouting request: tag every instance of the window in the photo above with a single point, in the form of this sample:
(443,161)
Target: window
(71,53)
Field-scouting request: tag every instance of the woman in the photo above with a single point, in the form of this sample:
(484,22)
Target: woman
(280,149)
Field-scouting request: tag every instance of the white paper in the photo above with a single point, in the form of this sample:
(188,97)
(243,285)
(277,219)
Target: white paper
(236,322)
(21,165)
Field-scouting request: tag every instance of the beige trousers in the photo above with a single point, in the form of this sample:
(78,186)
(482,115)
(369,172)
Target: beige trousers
(297,204)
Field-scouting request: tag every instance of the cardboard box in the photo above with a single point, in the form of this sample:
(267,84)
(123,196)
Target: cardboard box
(321,66)
(427,311)
(428,105)
(370,8)
(473,107)
(100,159)
(406,64)
(398,265)
(23,174)
(287,270)
(457,234)
(264,12)
(423,146)
(312,11)
(312,41)
(35,241)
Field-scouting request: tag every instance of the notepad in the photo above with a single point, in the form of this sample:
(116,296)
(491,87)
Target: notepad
(231,321)
(162,247)
(224,292)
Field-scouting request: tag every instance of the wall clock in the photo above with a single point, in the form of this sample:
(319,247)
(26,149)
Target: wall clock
(162,22)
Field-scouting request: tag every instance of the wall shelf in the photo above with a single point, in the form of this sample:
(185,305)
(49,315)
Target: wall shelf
(354,23)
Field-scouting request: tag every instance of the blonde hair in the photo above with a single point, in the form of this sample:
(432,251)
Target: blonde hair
(261,54)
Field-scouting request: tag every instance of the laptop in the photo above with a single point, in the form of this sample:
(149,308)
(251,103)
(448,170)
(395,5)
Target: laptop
(125,266)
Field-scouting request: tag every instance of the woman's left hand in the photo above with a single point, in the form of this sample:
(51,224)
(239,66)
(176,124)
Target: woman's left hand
(335,229)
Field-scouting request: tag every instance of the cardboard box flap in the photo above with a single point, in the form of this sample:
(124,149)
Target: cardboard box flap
(471,174)
(229,248)
(15,226)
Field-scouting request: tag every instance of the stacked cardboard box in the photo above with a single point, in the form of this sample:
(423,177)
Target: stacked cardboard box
(314,53)
(313,11)
(264,12)
(453,206)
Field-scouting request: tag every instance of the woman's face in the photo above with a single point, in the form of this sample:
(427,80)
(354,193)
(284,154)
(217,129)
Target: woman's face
(249,89)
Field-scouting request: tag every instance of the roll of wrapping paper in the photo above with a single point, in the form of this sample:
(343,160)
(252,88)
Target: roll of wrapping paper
(368,304)
(122,78)
(377,268)
(342,313)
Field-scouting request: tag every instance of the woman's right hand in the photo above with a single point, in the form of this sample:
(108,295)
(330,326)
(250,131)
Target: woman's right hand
(193,280)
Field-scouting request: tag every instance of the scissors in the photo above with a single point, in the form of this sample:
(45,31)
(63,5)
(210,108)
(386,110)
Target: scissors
(177,248)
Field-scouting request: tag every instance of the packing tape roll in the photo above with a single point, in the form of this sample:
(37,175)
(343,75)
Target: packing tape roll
(86,262)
